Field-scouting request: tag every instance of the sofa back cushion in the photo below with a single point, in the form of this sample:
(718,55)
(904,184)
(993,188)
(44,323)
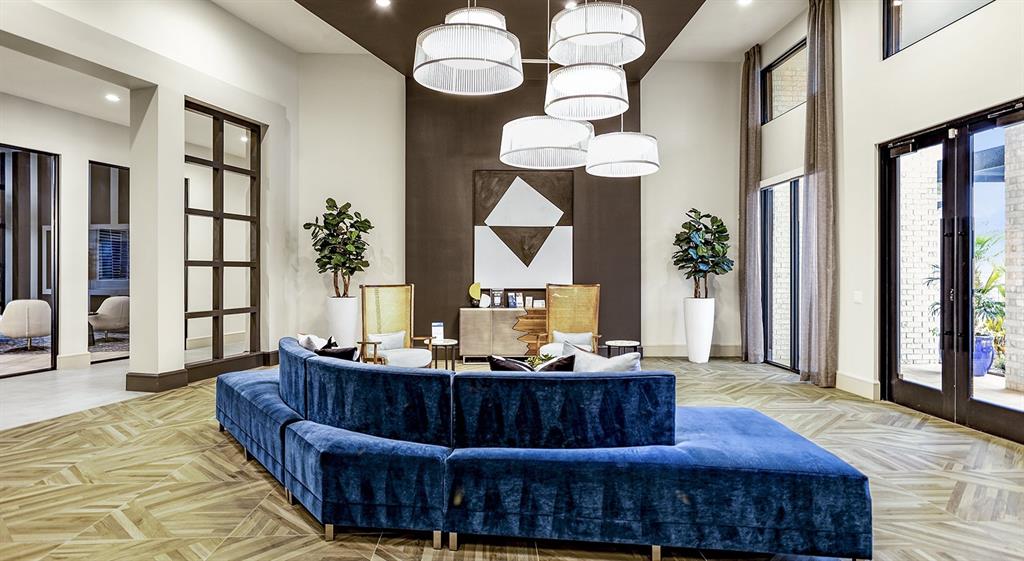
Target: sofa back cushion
(292,358)
(556,410)
(398,403)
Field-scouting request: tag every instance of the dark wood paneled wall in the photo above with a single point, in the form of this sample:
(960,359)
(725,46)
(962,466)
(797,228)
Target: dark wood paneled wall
(447,138)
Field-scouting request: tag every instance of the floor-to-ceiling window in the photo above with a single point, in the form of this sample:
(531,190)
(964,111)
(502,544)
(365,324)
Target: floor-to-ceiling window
(109,265)
(953,271)
(780,258)
(222,179)
(28,187)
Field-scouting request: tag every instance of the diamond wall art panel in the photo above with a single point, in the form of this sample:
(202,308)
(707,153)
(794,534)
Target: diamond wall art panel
(522,228)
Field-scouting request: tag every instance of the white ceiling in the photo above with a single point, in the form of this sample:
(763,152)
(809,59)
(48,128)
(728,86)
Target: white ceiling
(722,30)
(293,25)
(45,82)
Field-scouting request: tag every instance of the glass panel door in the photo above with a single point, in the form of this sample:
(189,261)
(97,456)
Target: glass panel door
(780,256)
(994,194)
(953,272)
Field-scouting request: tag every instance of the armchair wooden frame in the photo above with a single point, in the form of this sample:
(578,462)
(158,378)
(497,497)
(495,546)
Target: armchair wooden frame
(589,318)
(365,293)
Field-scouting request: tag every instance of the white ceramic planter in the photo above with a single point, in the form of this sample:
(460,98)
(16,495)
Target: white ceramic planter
(343,320)
(699,321)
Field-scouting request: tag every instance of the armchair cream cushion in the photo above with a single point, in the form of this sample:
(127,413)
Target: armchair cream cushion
(24,319)
(112,315)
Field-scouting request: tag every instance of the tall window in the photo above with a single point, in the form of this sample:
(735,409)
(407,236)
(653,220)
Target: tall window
(780,258)
(784,82)
(908,21)
(222,185)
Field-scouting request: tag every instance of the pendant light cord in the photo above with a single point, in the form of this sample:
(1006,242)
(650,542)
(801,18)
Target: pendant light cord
(547,53)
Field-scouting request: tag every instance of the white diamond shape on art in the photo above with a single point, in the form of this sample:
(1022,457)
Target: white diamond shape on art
(522,205)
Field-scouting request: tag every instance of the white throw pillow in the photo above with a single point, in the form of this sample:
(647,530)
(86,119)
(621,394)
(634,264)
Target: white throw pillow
(583,340)
(311,342)
(590,362)
(389,341)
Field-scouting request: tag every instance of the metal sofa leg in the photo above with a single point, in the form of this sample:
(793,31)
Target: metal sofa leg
(288,495)
(453,541)
(329,532)
(437,539)
(655,553)
(246,452)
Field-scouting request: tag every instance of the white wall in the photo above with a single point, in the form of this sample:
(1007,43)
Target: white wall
(693,108)
(351,148)
(77,139)
(973,64)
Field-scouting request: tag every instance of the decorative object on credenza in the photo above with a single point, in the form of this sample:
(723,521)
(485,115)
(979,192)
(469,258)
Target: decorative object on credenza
(496,297)
(341,250)
(702,248)
(529,301)
(474,294)
(485,301)
(471,53)
(522,228)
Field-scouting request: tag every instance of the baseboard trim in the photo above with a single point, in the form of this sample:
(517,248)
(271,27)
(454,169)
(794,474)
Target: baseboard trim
(674,351)
(868,389)
(271,358)
(161,382)
(73,361)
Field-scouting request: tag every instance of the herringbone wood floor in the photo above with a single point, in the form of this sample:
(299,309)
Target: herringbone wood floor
(151,478)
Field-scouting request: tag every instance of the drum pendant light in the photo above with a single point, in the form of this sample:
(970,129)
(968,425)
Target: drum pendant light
(471,53)
(606,32)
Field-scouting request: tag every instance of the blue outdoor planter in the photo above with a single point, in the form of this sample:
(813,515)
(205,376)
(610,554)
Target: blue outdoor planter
(984,354)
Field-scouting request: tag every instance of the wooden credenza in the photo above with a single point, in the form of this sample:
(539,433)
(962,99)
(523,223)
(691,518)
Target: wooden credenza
(508,332)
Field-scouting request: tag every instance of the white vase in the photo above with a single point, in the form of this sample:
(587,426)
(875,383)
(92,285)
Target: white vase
(343,320)
(699,321)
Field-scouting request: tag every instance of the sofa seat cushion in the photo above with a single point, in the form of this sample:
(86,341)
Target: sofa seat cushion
(407,358)
(353,479)
(734,480)
(249,405)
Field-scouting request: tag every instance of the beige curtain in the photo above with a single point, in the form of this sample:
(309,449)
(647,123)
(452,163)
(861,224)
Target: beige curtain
(751,313)
(818,298)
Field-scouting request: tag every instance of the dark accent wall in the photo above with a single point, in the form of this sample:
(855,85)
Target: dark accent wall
(447,139)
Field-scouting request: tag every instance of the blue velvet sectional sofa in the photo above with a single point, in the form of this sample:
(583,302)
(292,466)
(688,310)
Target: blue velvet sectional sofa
(564,456)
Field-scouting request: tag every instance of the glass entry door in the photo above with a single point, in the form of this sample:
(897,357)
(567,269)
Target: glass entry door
(953,271)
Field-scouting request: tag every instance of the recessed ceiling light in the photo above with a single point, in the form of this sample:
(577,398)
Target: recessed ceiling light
(570,4)
(112,98)
(244,138)
(744,2)
(897,2)
(383,3)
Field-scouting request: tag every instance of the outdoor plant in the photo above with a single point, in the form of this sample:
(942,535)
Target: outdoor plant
(702,248)
(339,244)
(989,294)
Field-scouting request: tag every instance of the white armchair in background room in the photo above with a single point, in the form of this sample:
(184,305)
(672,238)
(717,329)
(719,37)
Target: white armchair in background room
(112,315)
(26,319)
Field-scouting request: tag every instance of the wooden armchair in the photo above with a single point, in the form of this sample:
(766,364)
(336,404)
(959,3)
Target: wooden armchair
(388,309)
(571,309)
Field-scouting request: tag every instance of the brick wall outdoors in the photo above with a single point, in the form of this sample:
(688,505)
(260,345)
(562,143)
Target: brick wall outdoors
(920,250)
(1014,322)
(781,274)
(789,84)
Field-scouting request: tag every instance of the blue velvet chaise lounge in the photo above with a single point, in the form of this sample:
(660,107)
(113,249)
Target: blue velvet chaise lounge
(564,456)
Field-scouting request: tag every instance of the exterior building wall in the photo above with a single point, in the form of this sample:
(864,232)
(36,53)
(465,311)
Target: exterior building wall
(789,84)
(920,253)
(781,268)
(1014,322)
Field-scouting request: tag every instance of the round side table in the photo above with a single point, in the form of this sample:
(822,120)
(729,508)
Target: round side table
(621,346)
(444,350)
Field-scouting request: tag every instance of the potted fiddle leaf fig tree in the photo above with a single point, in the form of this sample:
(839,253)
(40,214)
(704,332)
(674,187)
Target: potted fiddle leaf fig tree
(702,248)
(340,246)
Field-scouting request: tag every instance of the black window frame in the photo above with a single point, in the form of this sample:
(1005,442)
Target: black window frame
(767,280)
(766,82)
(219,363)
(891,17)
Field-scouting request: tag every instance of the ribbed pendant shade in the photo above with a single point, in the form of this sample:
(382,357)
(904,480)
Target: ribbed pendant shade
(606,32)
(470,54)
(623,154)
(586,92)
(545,143)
